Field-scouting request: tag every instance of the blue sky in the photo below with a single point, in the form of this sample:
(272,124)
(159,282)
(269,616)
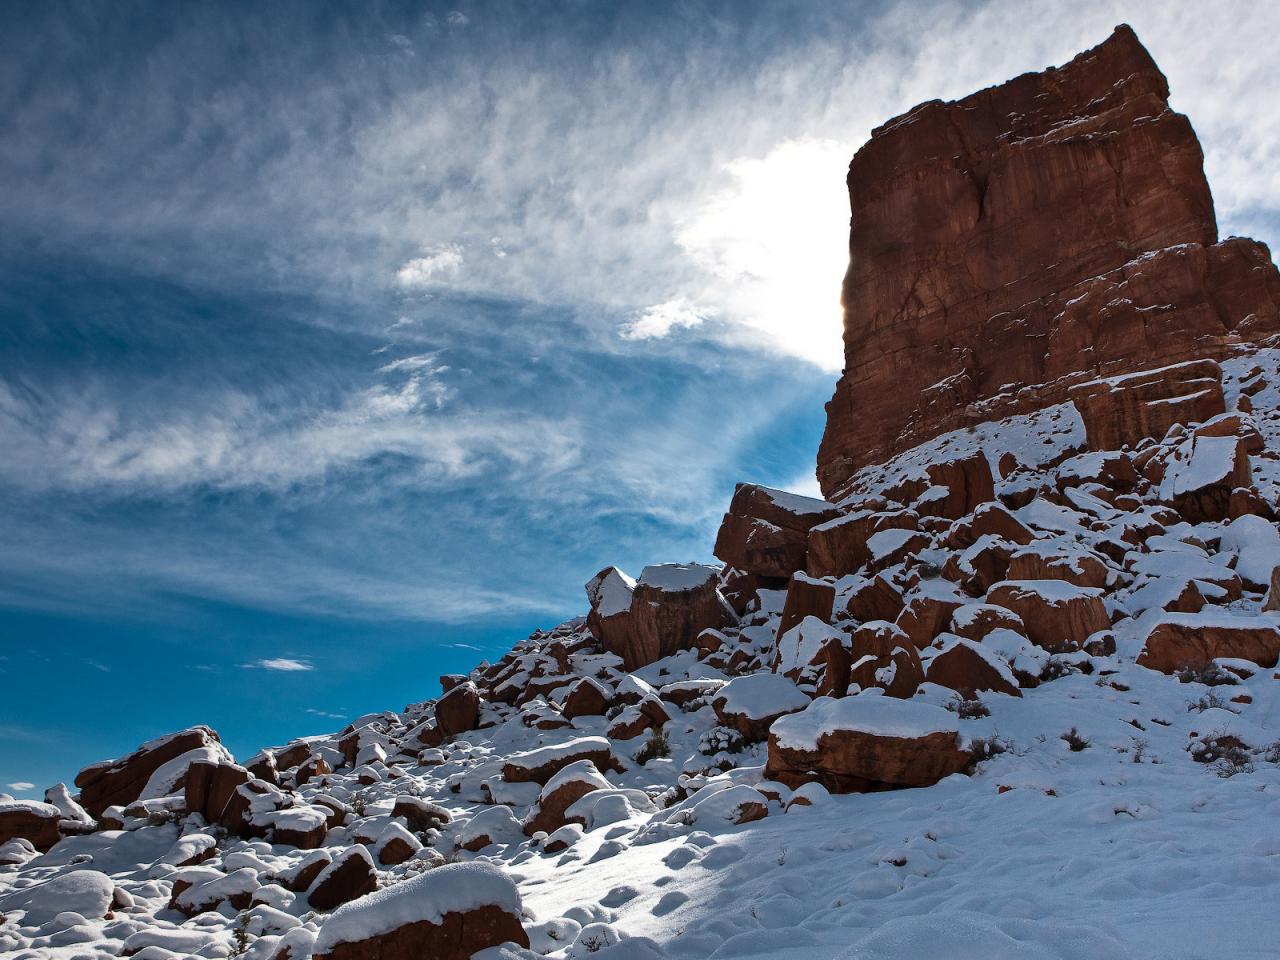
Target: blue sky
(340,346)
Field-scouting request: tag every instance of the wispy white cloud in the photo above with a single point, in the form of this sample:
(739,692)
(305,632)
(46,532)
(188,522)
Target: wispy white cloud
(284,665)
(328,715)
(432,269)
(21,785)
(719,185)
(659,320)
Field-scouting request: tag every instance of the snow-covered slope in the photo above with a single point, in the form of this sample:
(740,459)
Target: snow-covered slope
(1108,810)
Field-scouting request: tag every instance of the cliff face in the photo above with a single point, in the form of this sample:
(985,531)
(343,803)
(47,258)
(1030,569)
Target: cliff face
(1033,235)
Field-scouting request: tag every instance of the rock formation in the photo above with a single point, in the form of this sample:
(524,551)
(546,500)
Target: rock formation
(1038,234)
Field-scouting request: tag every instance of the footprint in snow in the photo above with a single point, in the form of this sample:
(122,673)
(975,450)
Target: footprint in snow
(670,901)
(723,856)
(618,896)
(610,848)
(680,857)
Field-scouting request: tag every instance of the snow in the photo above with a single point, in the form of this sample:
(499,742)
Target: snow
(800,646)
(795,503)
(1054,591)
(1207,460)
(885,542)
(580,771)
(677,577)
(611,593)
(1256,545)
(86,892)
(760,695)
(1127,848)
(867,713)
(1218,619)
(540,757)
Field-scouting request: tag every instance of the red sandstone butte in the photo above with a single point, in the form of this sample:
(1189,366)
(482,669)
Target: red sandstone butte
(1045,232)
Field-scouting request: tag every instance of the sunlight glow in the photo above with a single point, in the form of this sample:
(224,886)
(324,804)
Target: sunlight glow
(773,242)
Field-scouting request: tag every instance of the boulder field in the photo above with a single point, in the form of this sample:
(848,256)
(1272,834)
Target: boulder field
(1024,654)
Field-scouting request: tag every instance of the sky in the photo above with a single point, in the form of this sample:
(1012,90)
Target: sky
(340,345)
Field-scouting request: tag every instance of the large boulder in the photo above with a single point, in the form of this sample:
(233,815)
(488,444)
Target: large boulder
(449,913)
(542,763)
(765,530)
(154,769)
(348,877)
(839,547)
(1179,641)
(1120,411)
(609,619)
(1199,479)
(864,743)
(750,704)
(1057,615)
(209,787)
(957,487)
(30,820)
(967,668)
(562,791)
(884,658)
(806,597)
(1053,229)
(588,697)
(669,606)
(458,710)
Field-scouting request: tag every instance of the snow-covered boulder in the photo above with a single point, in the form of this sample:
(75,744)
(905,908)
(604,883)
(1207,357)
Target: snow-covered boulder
(458,710)
(765,530)
(670,605)
(1202,473)
(30,820)
(884,658)
(1058,615)
(351,875)
(750,704)
(967,667)
(563,790)
(587,698)
(801,647)
(866,742)
(155,769)
(541,764)
(449,913)
(86,892)
(1180,641)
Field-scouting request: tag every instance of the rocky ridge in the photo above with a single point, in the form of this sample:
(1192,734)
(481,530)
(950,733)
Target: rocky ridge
(1004,669)
(1051,230)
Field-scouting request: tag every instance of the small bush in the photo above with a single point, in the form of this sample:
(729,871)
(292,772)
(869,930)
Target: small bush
(1140,745)
(1225,753)
(1073,740)
(968,709)
(240,934)
(1210,701)
(1211,675)
(989,747)
(658,745)
(721,740)
(1056,669)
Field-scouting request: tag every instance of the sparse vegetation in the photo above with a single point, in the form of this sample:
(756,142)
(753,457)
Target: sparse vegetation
(657,745)
(1210,701)
(968,709)
(1225,753)
(989,747)
(1211,675)
(1074,740)
(240,934)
